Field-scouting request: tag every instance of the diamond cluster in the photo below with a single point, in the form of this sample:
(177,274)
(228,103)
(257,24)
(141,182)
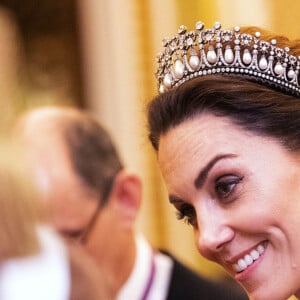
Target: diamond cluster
(203,52)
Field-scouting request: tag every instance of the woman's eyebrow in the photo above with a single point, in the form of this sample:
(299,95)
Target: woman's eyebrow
(202,176)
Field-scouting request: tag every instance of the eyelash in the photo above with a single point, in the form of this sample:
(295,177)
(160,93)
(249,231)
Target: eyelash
(187,213)
(228,183)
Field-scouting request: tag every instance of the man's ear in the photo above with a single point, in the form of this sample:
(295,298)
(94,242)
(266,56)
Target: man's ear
(126,197)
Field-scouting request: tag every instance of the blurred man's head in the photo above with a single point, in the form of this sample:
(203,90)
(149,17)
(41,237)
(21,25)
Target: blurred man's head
(89,197)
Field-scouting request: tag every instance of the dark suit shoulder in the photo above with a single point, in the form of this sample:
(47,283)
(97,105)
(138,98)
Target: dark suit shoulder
(186,284)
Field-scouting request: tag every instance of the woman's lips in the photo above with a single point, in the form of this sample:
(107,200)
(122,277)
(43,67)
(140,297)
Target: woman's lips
(248,259)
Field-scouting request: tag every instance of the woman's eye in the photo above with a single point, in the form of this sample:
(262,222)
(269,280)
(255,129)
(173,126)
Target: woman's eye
(187,213)
(226,185)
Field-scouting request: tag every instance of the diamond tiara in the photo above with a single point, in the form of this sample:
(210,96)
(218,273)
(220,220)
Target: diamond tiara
(202,52)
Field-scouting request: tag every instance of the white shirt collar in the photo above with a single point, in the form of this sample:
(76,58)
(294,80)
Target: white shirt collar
(136,283)
(138,280)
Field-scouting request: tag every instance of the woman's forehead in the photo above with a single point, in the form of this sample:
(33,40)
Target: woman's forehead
(203,129)
(196,141)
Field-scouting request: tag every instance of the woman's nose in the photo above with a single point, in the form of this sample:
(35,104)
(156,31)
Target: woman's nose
(213,234)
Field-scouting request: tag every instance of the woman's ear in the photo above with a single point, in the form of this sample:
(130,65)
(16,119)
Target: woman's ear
(126,197)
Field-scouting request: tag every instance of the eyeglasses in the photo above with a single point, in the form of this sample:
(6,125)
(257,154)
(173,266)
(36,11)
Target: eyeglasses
(83,237)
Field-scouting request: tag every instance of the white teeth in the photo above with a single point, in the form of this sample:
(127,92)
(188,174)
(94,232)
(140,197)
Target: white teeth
(260,249)
(254,254)
(242,264)
(248,259)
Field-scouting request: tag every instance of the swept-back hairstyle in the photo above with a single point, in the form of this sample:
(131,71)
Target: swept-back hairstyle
(252,105)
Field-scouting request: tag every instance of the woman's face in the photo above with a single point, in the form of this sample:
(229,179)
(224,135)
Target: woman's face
(241,194)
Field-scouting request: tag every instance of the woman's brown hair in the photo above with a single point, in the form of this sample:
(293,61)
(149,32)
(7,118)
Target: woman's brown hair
(252,105)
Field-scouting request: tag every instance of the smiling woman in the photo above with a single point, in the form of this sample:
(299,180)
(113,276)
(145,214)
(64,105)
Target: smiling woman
(227,134)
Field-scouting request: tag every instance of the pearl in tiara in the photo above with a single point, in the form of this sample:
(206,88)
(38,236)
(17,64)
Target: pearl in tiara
(202,52)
